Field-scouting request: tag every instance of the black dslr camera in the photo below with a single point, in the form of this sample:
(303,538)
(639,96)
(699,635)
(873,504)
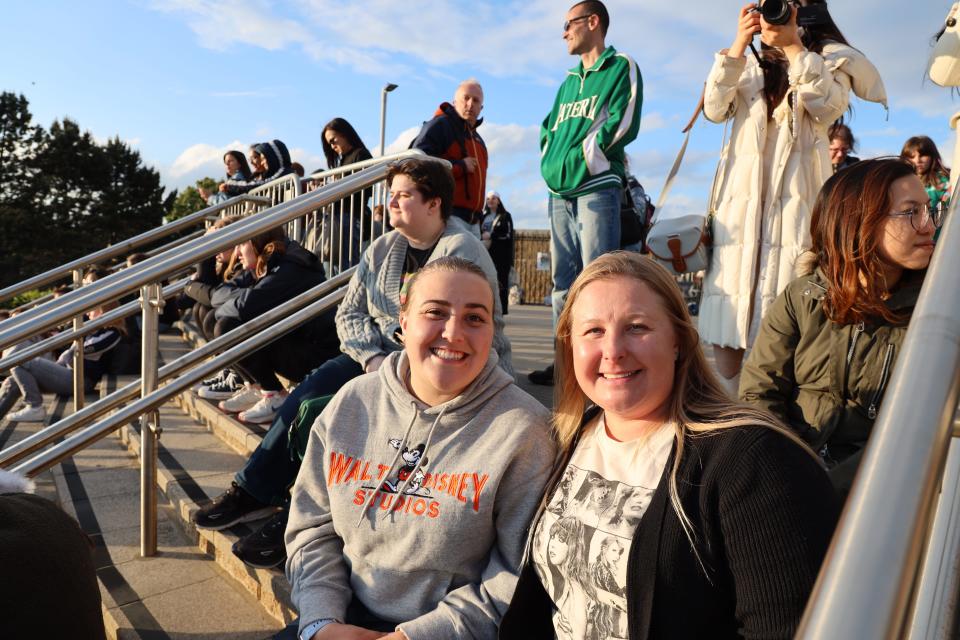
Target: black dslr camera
(778,12)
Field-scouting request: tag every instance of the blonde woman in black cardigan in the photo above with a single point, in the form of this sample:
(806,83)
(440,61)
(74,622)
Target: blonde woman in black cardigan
(720,517)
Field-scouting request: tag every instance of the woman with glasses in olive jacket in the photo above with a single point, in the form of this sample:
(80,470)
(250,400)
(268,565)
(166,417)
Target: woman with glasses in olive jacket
(826,348)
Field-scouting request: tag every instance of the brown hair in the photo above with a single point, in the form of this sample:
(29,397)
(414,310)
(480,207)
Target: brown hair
(597,8)
(924,146)
(447,264)
(270,243)
(226,270)
(840,131)
(698,403)
(815,37)
(432,177)
(136,258)
(846,225)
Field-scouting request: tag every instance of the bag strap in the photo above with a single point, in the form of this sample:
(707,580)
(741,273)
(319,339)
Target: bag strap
(683,150)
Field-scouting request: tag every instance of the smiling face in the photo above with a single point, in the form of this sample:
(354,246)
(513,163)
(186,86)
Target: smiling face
(624,349)
(493,202)
(447,333)
(578,35)
(258,162)
(838,150)
(901,246)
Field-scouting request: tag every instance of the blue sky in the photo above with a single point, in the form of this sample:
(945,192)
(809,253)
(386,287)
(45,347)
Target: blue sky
(185,80)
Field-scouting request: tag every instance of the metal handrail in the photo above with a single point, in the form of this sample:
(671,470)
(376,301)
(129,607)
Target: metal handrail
(88,414)
(62,338)
(151,402)
(357,166)
(867,586)
(152,252)
(122,248)
(935,611)
(18,328)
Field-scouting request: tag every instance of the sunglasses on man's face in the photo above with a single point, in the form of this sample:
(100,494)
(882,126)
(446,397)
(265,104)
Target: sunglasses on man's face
(566,25)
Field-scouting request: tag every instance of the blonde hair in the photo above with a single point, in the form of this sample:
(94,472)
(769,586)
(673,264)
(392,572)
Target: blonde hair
(698,403)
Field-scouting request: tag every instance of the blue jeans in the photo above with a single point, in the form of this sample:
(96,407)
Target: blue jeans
(581,230)
(270,471)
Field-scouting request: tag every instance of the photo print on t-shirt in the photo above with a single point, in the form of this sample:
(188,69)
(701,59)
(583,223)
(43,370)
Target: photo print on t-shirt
(583,540)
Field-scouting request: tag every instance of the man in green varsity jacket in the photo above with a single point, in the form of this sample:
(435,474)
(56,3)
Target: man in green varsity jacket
(595,115)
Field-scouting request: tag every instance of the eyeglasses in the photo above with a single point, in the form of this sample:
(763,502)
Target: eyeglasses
(923,213)
(566,25)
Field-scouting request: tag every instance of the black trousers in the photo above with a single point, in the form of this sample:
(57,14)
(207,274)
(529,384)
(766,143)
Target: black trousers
(293,356)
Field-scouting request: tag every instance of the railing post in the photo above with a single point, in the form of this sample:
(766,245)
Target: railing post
(935,610)
(79,389)
(151,302)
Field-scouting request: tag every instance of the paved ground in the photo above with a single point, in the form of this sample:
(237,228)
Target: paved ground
(530,331)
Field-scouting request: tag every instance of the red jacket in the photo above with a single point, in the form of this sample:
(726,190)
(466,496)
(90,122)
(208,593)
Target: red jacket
(452,138)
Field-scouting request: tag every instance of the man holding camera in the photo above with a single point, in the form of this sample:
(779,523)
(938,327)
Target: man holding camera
(595,115)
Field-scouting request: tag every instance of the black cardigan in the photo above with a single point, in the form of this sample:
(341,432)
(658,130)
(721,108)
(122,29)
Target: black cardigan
(763,511)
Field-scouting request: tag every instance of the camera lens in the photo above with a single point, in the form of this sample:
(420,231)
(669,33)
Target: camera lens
(775,11)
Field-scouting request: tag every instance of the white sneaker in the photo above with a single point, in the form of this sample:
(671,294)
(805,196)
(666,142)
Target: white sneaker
(242,400)
(265,409)
(225,388)
(28,413)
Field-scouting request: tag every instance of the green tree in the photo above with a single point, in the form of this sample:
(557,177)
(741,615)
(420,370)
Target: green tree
(63,195)
(189,200)
(20,142)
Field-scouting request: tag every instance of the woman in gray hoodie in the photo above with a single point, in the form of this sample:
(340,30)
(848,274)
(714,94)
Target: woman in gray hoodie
(420,479)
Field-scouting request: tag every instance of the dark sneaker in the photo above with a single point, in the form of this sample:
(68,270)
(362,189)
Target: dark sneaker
(542,376)
(225,388)
(220,377)
(229,508)
(264,547)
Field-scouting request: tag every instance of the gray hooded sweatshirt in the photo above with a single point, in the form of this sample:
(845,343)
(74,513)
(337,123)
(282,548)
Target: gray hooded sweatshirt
(419,512)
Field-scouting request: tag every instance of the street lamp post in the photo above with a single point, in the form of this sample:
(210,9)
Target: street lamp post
(383,114)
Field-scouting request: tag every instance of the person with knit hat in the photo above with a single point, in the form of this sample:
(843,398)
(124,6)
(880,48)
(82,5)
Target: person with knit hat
(269,160)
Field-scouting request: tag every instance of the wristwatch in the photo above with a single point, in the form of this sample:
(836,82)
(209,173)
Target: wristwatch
(314,627)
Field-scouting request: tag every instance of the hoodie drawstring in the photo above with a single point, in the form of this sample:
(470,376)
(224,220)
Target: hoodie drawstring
(426,447)
(403,443)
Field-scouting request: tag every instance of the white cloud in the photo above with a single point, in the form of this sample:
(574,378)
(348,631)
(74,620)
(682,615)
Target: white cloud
(673,43)
(201,156)
(402,141)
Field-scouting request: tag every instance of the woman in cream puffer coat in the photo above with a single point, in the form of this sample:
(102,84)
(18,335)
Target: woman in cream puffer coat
(772,167)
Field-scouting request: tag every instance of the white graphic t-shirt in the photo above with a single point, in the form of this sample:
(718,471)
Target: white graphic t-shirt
(582,541)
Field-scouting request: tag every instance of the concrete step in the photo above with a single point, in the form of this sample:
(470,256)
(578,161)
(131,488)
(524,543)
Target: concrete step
(200,450)
(177,594)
